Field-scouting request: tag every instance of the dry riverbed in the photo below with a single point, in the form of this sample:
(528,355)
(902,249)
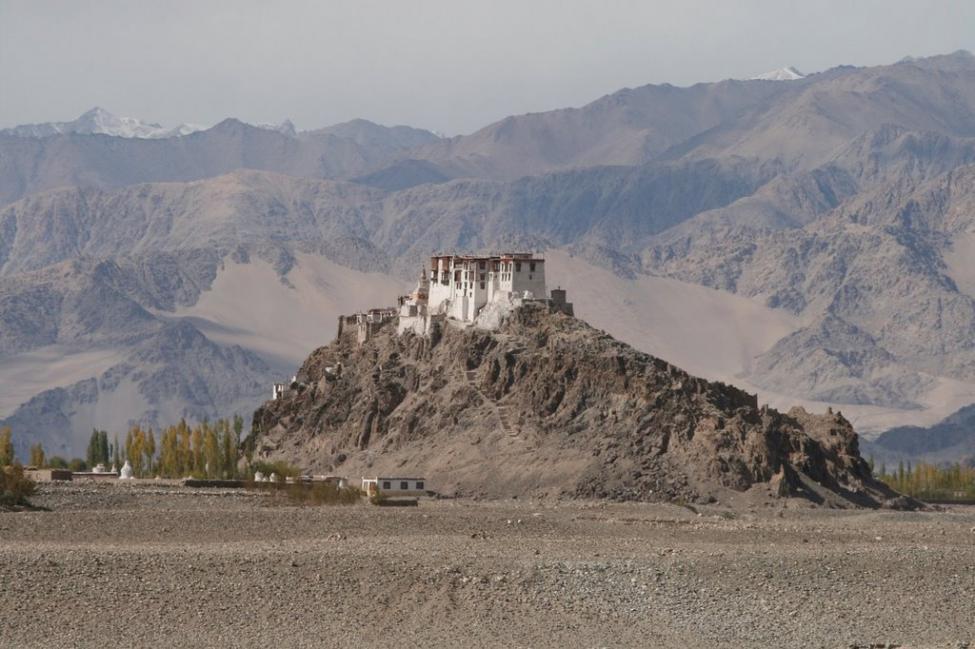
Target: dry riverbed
(164,566)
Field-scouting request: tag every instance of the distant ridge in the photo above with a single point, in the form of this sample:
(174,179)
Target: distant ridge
(99,121)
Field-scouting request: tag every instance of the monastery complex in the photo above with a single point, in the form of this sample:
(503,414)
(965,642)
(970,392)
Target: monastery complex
(464,290)
(477,290)
(457,290)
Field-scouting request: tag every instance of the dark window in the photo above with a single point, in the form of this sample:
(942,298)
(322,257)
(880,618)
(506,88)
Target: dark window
(531,266)
(517,266)
(419,484)
(386,484)
(481,265)
(404,485)
(482,286)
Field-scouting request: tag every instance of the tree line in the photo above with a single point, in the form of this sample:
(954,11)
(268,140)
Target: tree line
(925,481)
(206,450)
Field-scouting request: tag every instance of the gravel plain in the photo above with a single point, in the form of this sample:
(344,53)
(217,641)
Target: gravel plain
(166,566)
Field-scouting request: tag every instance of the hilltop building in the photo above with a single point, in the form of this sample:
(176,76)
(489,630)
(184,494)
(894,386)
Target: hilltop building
(465,290)
(364,325)
(468,288)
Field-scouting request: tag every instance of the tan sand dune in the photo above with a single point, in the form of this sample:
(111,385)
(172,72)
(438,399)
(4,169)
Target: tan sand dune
(249,305)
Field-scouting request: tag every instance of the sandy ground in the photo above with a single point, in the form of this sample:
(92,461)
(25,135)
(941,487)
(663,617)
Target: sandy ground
(171,567)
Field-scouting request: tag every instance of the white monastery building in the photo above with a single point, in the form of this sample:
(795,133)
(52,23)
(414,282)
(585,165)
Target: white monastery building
(462,290)
(466,288)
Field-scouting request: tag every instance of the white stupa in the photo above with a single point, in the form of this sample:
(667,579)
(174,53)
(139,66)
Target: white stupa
(126,473)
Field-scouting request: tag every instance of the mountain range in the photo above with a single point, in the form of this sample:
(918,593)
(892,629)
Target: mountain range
(805,238)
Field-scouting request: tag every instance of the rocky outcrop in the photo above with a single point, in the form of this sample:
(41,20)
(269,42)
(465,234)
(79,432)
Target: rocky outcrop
(547,404)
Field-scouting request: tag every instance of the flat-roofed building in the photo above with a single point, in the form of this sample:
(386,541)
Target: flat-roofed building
(459,287)
(393,487)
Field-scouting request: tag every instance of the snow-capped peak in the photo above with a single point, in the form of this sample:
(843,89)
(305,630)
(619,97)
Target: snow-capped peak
(99,121)
(285,128)
(782,74)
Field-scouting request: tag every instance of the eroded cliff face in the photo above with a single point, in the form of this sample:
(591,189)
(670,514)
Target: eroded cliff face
(548,405)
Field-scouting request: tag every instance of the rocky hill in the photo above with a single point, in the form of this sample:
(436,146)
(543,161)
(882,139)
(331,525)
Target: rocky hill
(548,404)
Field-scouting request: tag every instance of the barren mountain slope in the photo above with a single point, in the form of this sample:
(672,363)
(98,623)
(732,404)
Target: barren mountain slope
(243,208)
(628,127)
(86,342)
(880,279)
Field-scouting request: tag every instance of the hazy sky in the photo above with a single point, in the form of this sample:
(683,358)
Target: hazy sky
(451,66)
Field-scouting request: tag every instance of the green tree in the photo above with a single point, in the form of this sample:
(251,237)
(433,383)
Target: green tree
(117,456)
(57,462)
(198,462)
(169,462)
(77,464)
(92,454)
(6,447)
(103,455)
(185,448)
(135,450)
(231,446)
(211,451)
(149,449)
(37,455)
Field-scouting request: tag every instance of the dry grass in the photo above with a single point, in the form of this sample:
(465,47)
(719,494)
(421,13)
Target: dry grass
(310,493)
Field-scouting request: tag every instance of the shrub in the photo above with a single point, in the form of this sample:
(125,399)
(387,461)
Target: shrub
(377,497)
(77,464)
(310,493)
(57,462)
(15,487)
(323,493)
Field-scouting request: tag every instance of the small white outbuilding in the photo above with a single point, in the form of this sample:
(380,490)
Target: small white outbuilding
(394,486)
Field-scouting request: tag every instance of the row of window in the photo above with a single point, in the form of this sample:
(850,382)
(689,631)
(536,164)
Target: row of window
(404,485)
(445,274)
